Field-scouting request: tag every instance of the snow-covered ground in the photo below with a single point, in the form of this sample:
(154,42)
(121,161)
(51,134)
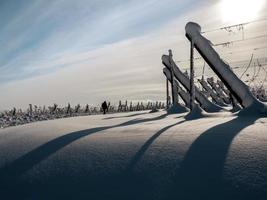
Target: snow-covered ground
(138,155)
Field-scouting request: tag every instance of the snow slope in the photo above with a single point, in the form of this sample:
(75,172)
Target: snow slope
(138,155)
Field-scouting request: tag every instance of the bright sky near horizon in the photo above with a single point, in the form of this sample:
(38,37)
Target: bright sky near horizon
(87,51)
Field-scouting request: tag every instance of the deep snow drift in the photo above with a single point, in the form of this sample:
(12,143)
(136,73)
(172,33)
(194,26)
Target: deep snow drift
(138,155)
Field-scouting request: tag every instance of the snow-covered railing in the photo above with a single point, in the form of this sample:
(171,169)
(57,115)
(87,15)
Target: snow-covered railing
(201,99)
(218,90)
(211,92)
(239,89)
(184,95)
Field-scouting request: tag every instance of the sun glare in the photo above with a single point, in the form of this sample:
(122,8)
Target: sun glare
(239,11)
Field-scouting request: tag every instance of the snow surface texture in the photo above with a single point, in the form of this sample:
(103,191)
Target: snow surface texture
(137,155)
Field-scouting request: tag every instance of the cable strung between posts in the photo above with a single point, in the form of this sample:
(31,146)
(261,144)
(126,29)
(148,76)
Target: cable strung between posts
(226,44)
(253,76)
(259,65)
(264,81)
(228,53)
(262,66)
(203,70)
(232,26)
(247,66)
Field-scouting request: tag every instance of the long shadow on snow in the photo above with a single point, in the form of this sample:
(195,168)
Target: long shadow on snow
(136,185)
(147,144)
(132,115)
(10,174)
(200,175)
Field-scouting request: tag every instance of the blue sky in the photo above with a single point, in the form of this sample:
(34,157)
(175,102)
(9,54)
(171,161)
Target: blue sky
(36,31)
(87,51)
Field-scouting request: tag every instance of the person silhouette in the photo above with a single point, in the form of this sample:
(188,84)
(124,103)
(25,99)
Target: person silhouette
(104,107)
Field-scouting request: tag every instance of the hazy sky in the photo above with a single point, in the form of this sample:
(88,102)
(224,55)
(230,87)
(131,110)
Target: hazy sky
(86,51)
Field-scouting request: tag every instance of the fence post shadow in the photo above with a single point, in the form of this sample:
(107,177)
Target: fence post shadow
(136,158)
(11,173)
(200,175)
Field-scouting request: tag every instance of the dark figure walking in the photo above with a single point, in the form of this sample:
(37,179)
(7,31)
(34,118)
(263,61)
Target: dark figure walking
(104,107)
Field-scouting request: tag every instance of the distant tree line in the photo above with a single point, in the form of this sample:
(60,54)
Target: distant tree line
(35,113)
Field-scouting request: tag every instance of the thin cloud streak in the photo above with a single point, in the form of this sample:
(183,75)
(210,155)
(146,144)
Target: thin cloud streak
(73,64)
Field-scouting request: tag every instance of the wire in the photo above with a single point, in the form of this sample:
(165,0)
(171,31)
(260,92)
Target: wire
(231,63)
(259,69)
(247,66)
(203,70)
(221,54)
(226,44)
(231,26)
(253,76)
(262,66)
(187,60)
(264,80)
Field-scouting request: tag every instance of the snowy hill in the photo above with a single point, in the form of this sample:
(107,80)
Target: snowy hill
(136,155)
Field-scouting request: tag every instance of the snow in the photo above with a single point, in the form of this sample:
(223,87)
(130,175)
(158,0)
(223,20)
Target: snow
(204,102)
(239,89)
(215,97)
(138,155)
(177,108)
(196,113)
